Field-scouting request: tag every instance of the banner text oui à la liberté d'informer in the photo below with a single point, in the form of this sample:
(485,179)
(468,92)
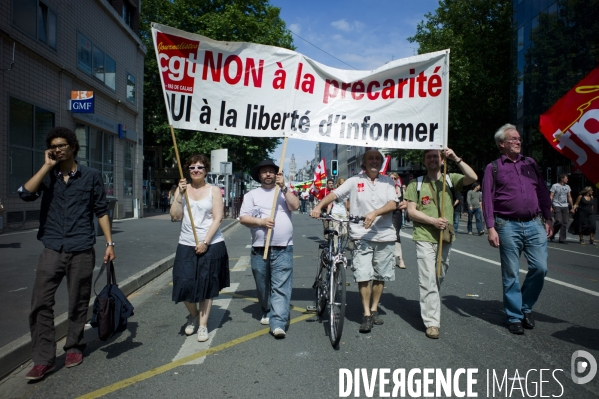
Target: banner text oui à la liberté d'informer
(255,90)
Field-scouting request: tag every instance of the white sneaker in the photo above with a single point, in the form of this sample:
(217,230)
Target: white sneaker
(279,332)
(202,334)
(264,320)
(192,323)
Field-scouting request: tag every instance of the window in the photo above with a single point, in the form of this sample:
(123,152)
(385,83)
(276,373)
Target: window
(35,19)
(131,88)
(128,11)
(84,53)
(28,127)
(98,63)
(92,60)
(97,151)
(128,173)
(110,72)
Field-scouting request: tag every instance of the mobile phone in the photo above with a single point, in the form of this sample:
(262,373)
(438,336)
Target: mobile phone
(52,156)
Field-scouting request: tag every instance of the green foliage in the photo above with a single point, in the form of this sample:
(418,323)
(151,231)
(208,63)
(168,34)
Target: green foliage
(478,33)
(253,21)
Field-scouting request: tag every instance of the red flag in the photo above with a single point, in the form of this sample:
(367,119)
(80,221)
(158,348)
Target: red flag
(386,165)
(320,173)
(572,125)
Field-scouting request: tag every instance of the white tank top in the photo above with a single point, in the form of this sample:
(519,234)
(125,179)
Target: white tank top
(202,219)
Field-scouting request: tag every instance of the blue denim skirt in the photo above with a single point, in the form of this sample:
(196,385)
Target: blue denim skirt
(200,277)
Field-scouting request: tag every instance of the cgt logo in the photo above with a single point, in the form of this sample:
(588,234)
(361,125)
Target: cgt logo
(581,362)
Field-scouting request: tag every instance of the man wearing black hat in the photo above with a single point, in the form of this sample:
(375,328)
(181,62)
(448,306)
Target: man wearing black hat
(273,275)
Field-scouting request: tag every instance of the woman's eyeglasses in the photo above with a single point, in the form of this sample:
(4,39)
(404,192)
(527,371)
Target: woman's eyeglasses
(197,167)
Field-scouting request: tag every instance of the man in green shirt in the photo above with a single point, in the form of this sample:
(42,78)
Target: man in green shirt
(424,208)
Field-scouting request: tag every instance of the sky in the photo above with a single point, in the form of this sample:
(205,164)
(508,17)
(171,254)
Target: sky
(356,34)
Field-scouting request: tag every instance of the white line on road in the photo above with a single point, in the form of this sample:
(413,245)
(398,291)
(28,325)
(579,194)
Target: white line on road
(242,264)
(248,246)
(217,312)
(18,289)
(574,252)
(575,287)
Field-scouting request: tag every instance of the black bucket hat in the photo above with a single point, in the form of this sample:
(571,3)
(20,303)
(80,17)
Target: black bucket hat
(256,170)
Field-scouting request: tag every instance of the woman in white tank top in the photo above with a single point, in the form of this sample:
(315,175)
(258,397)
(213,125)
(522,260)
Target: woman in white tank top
(200,270)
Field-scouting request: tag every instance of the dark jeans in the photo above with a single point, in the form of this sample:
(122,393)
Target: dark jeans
(303,204)
(456,220)
(477,215)
(78,267)
(562,216)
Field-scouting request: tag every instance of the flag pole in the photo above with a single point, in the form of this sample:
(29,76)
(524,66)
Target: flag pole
(440,246)
(193,228)
(274,200)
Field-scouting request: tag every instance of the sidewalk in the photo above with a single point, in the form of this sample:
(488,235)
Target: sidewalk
(144,249)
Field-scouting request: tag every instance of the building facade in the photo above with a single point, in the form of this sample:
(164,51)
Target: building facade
(556,44)
(53,51)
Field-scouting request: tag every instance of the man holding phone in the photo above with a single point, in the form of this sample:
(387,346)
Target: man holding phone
(73,193)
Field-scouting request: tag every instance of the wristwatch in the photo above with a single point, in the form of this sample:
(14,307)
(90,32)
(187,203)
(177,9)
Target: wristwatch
(205,243)
(110,244)
(284,190)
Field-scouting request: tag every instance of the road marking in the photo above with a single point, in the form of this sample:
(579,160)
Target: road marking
(575,287)
(186,360)
(574,252)
(217,312)
(248,246)
(18,289)
(242,264)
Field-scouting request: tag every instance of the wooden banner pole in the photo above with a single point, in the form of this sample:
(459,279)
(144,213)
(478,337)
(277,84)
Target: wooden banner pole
(440,246)
(193,228)
(274,201)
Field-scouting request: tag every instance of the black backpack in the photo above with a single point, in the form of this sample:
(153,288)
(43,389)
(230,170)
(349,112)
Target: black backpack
(111,307)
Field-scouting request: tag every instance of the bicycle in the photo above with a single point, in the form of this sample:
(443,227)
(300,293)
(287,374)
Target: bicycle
(330,279)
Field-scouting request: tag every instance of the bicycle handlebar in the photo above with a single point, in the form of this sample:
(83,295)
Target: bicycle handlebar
(350,219)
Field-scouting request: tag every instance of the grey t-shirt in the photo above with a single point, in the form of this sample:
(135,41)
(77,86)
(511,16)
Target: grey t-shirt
(560,195)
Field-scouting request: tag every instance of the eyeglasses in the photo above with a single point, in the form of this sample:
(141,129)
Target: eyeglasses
(60,147)
(518,140)
(394,178)
(197,167)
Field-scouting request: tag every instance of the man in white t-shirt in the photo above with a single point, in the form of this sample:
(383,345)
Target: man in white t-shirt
(273,275)
(560,198)
(372,195)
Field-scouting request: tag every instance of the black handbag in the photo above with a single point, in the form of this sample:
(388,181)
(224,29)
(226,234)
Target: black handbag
(111,307)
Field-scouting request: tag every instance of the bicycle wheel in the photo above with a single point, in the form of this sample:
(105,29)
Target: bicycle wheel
(321,284)
(337,305)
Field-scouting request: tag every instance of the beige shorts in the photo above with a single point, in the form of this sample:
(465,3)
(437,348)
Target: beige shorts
(373,261)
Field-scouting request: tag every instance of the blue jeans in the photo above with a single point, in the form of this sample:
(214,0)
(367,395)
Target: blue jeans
(456,220)
(514,238)
(274,280)
(476,213)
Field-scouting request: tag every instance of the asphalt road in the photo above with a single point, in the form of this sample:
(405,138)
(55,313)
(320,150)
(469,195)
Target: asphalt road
(154,359)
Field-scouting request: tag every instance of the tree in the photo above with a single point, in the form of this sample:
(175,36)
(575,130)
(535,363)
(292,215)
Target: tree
(253,21)
(478,33)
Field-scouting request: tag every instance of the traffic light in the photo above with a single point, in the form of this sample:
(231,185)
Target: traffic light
(334,170)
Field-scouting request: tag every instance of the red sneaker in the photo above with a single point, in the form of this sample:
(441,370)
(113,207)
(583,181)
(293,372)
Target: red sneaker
(39,371)
(73,359)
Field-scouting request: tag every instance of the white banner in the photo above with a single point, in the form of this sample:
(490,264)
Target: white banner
(255,90)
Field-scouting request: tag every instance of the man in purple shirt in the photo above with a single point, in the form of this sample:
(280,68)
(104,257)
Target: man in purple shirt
(517,210)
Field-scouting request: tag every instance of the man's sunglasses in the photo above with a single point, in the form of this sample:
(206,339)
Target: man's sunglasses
(197,167)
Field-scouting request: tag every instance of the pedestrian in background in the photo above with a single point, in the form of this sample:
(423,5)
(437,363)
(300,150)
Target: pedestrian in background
(200,270)
(560,199)
(339,209)
(72,195)
(273,275)
(517,210)
(474,209)
(584,216)
(457,210)
(372,195)
(424,205)
(398,221)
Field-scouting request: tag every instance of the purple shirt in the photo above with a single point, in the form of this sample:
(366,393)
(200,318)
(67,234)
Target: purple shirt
(519,191)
